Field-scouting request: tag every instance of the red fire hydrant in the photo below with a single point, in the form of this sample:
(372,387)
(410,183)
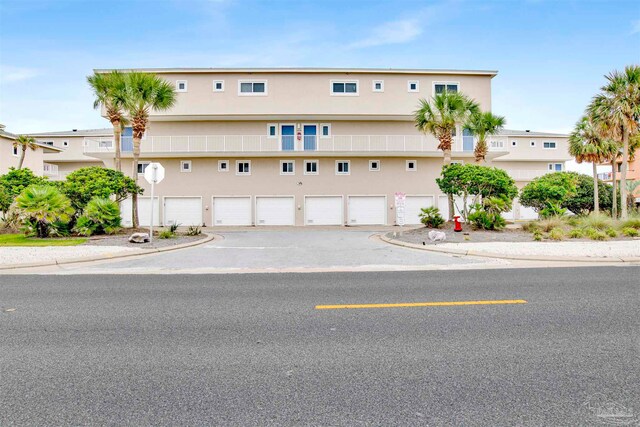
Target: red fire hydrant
(458,225)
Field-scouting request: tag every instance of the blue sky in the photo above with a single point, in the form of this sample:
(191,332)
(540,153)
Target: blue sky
(551,55)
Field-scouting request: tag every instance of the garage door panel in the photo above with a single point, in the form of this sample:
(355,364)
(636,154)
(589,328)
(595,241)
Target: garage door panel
(413,206)
(183,211)
(144,211)
(275,210)
(231,211)
(323,210)
(443,206)
(367,210)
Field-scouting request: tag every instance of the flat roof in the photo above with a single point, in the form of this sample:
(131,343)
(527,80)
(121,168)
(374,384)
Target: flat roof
(511,132)
(76,132)
(308,70)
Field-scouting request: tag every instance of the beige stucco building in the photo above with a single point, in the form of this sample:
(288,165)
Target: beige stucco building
(305,146)
(33,159)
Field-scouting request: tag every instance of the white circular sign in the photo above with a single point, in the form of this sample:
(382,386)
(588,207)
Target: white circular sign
(154,173)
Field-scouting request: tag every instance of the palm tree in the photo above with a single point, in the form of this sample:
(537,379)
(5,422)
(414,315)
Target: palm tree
(23,142)
(109,92)
(144,93)
(439,116)
(619,107)
(41,205)
(586,144)
(483,124)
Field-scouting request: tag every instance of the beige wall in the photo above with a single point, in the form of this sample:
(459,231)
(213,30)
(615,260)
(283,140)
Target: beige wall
(302,94)
(73,152)
(524,151)
(32,160)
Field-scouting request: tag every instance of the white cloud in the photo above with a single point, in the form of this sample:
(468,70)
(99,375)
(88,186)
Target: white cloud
(394,32)
(9,74)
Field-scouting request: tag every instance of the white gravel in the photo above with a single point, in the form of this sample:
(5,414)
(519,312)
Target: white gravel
(627,248)
(28,255)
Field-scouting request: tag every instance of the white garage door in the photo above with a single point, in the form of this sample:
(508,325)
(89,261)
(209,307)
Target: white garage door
(323,210)
(367,210)
(443,205)
(183,211)
(232,210)
(527,213)
(412,207)
(275,211)
(144,211)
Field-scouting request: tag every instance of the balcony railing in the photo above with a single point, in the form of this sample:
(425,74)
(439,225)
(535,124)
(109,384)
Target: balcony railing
(526,175)
(605,176)
(261,143)
(49,170)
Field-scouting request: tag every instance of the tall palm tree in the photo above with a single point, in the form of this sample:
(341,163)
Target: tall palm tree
(109,92)
(619,106)
(144,93)
(23,142)
(586,144)
(483,124)
(439,116)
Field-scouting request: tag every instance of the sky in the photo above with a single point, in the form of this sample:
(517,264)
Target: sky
(551,56)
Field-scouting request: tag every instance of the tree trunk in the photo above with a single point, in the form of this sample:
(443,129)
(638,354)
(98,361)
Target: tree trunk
(623,174)
(24,152)
(117,131)
(614,205)
(447,161)
(134,198)
(596,197)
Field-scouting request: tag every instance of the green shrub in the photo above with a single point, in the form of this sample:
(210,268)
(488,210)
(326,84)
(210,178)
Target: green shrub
(166,234)
(582,200)
(576,233)
(173,228)
(15,182)
(486,220)
(530,226)
(599,222)
(557,234)
(194,230)
(85,184)
(594,234)
(630,232)
(550,223)
(39,207)
(548,193)
(632,222)
(611,232)
(537,235)
(100,216)
(431,217)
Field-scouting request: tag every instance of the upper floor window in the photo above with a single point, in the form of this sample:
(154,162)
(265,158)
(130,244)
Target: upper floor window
(311,167)
(413,86)
(46,142)
(341,87)
(142,166)
(514,143)
(325,130)
(374,165)
(185,166)
(496,145)
(549,145)
(181,85)
(223,165)
(287,167)
(556,167)
(218,85)
(412,165)
(243,167)
(15,150)
(65,143)
(252,87)
(440,87)
(532,143)
(342,167)
(272,130)
(378,85)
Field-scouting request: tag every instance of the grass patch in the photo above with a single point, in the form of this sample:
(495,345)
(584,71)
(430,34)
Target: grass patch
(22,240)
(630,232)
(632,222)
(576,233)
(549,224)
(599,222)
(556,233)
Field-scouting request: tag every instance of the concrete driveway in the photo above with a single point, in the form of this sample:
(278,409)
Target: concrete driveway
(286,250)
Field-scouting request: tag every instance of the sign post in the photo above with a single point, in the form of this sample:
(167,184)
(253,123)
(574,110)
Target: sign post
(154,174)
(400,206)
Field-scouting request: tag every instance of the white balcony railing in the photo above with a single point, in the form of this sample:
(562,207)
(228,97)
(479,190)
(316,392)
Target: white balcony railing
(605,176)
(49,170)
(526,175)
(261,143)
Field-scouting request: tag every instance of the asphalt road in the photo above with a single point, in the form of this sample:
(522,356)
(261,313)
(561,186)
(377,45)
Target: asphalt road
(252,349)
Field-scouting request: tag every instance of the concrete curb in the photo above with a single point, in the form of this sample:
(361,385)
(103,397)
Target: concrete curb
(464,252)
(104,257)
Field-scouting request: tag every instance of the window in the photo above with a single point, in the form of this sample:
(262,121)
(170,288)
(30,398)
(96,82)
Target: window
(440,87)
(287,167)
(412,165)
(413,86)
(532,143)
(15,150)
(218,85)
(65,143)
(46,142)
(243,167)
(311,167)
(185,166)
(374,165)
(514,143)
(252,87)
(556,167)
(181,85)
(344,87)
(272,130)
(142,166)
(496,145)
(378,85)
(223,165)
(549,145)
(325,130)
(342,167)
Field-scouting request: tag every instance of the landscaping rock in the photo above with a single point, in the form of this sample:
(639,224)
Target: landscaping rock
(139,238)
(437,236)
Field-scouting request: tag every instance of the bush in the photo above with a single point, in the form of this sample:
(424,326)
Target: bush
(173,228)
(537,235)
(166,234)
(15,182)
(193,230)
(39,207)
(594,234)
(582,200)
(100,216)
(632,222)
(487,221)
(431,217)
(611,232)
(630,232)
(84,184)
(557,234)
(576,233)
(548,193)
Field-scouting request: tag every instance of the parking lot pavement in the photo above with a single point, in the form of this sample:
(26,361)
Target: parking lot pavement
(283,250)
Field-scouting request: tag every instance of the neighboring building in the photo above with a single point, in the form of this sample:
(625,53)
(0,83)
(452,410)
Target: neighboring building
(70,150)
(311,146)
(633,174)
(33,159)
